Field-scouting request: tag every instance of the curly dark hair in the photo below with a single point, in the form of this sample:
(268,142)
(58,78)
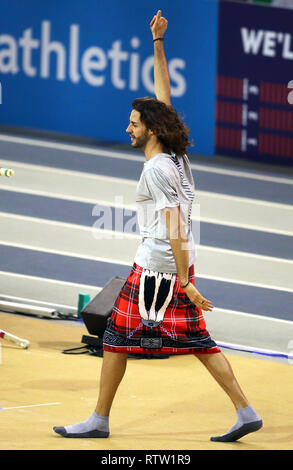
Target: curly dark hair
(165,122)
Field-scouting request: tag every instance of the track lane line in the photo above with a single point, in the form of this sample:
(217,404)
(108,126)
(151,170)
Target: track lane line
(121,235)
(127,156)
(28,406)
(129,264)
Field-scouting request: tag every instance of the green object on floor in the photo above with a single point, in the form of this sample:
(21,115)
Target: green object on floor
(83,300)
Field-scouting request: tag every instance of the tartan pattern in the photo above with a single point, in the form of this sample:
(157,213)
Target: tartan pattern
(183,329)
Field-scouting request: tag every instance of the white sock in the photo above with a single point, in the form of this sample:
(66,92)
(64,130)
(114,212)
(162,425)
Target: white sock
(245,415)
(95,422)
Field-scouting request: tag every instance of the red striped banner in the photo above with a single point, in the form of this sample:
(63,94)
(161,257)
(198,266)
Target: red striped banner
(230,87)
(229,112)
(275,93)
(228,138)
(276,119)
(275,145)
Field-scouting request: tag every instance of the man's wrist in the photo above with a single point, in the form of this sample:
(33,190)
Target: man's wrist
(158,39)
(184,284)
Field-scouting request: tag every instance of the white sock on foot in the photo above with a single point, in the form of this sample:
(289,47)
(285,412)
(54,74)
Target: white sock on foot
(95,422)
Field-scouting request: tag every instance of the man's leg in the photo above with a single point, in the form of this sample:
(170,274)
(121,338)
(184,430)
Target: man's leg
(113,369)
(248,420)
(220,368)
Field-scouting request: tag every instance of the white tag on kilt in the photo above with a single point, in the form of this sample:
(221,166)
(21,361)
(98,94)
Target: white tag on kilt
(155,294)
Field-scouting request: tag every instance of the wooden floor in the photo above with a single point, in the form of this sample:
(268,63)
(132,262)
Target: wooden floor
(169,404)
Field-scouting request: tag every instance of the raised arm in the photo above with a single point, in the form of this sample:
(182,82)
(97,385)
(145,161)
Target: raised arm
(158,27)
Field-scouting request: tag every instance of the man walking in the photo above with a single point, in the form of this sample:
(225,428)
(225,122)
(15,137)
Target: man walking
(159,309)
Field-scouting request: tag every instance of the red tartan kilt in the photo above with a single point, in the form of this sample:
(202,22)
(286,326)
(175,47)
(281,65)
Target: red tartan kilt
(182,331)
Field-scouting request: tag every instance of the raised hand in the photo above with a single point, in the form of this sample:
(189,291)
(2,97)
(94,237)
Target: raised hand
(158,25)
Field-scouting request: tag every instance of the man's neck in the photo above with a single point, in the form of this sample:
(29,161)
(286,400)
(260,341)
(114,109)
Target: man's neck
(153,148)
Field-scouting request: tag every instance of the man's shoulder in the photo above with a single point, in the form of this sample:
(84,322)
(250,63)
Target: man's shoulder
(162,171)
(162,162)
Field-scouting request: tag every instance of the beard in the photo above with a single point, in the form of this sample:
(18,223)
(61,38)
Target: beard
(141,141)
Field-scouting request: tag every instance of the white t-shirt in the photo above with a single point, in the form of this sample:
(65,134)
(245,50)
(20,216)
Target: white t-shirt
(166,181)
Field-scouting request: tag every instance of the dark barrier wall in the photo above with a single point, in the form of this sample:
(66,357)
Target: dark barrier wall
(74,66)
(254,112)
